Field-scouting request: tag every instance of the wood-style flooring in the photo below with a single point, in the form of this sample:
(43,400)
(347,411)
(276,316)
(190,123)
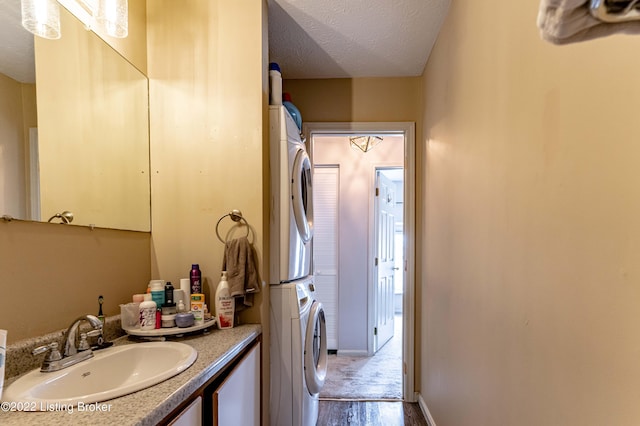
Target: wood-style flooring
(369,413)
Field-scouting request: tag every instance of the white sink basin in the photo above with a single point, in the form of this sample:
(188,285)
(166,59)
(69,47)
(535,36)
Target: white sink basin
(111,373)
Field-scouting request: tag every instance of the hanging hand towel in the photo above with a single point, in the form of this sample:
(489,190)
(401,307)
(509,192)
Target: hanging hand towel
(570,21)
(242,274)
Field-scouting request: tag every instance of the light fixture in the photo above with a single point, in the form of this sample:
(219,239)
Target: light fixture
(113,16)
(42,17)
(365,143)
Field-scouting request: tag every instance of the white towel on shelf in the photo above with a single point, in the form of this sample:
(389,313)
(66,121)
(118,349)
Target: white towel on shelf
(569,21)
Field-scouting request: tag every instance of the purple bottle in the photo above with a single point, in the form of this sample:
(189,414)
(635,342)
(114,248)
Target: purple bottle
(195,277)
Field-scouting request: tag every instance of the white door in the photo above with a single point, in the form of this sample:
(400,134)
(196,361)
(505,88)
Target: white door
(325,246)
(384,261)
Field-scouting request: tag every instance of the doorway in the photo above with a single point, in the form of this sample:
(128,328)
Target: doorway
(354,279)
(387,217)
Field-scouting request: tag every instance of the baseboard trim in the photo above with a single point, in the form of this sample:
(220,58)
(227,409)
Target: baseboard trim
(425,410)
(329,398)
(347,352)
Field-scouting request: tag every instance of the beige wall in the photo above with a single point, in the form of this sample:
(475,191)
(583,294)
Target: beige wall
(208,90)
(531,290)
(359,99)
(17,114)
(51,273)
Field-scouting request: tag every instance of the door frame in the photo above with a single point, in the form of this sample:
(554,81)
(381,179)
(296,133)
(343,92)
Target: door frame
(409,295)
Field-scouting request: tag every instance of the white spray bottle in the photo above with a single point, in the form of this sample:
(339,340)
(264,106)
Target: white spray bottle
(225,305)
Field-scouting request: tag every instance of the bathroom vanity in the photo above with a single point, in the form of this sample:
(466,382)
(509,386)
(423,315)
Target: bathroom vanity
(227,371)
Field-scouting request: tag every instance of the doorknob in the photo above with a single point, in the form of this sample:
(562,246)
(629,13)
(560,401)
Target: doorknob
(395,268)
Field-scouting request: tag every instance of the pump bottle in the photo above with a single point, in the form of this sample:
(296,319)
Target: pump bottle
(225,304)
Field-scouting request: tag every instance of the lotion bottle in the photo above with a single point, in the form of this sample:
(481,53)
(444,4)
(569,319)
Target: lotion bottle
(148,313)
(225,304)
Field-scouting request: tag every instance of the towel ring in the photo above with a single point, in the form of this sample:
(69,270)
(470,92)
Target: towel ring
(236,216)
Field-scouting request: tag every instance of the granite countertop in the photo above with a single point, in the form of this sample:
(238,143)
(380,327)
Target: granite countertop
(150,405)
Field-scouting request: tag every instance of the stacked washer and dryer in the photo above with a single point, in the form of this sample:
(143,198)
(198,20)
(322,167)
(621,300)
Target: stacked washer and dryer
(297,330)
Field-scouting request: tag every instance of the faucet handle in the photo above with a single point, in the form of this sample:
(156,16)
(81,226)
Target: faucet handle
(52,348)
(84,344)
(93,333)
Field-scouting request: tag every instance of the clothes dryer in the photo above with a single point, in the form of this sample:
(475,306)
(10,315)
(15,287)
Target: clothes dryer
(298,353)
(291,219)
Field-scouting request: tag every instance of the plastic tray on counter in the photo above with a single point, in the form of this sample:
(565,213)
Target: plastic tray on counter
(169,331)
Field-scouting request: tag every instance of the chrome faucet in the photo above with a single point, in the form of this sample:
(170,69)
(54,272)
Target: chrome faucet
(73,354)
(71,335)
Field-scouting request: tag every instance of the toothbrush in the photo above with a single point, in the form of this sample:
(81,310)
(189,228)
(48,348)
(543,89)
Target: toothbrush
(100,314)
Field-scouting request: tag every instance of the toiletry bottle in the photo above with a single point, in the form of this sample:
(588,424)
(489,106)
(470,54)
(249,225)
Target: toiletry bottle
(181,307)
(157,292)
(195,278)
(295,112)
(185,286)
(225,304)
(148,313)
(197,308)
(275,84)
(168,293)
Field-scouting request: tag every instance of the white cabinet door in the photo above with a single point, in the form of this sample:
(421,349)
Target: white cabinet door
(237,400)
(190,416)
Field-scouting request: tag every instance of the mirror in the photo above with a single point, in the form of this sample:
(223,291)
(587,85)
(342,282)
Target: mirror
(90,152)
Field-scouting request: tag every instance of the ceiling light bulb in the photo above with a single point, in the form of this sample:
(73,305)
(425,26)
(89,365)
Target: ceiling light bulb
(41,18)
(113,16)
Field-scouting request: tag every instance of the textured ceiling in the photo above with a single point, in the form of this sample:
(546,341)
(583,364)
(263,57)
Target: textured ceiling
(308,38)
(16,44)
(353,38)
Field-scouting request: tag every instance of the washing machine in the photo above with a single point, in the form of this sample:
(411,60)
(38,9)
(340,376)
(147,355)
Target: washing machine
(298,353)
(291,220)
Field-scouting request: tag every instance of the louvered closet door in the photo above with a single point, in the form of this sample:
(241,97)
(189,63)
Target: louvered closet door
(325,246)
